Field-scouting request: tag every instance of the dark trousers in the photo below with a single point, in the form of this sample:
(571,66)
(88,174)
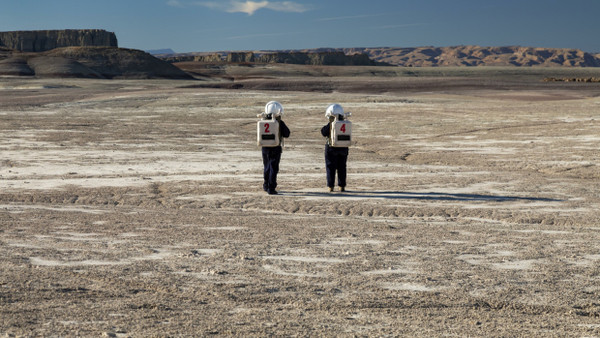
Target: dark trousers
(335,160)
(271,157)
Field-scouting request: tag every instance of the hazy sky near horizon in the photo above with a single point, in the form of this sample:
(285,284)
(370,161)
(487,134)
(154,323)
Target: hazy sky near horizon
(213,25)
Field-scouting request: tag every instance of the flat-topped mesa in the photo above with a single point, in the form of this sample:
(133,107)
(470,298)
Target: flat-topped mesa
(44,40)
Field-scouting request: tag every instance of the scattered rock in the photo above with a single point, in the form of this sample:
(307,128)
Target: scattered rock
(576,79)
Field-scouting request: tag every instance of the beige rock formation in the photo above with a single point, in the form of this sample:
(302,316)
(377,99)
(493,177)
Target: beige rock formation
(480,56)
(408,57)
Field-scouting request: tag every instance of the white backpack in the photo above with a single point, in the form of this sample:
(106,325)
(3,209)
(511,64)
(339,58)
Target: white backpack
(268,133)
(341,133)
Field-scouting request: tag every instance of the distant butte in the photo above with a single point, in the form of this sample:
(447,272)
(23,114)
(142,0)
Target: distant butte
(83,53)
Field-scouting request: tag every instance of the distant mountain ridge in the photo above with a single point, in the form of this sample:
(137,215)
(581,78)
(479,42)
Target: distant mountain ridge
(160,51)
(474,56)
(427,56)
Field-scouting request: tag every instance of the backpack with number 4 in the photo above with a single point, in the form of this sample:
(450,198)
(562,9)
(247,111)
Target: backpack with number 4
(268,133)
(341,133)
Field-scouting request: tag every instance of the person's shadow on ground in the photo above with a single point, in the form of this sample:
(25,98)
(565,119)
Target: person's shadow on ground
(436,196)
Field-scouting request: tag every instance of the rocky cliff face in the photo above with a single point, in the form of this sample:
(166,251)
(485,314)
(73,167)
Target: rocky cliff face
(334,58)
(40,41)
(211,58)
(240,57)
(319,58)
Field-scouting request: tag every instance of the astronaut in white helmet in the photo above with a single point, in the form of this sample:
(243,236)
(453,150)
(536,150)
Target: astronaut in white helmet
(271,147)
(338,134)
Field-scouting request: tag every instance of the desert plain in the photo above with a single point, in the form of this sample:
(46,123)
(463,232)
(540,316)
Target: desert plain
(134,208)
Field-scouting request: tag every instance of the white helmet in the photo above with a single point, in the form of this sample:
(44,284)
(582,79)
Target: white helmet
(274,108)
(334,109)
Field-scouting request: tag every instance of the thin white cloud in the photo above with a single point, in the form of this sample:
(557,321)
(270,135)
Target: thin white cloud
(287,6)
(399,26)
(250,7)
(174,3)
(352,17)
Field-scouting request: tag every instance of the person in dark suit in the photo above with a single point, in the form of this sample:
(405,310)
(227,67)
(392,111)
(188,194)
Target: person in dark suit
(335,157)
(272,155)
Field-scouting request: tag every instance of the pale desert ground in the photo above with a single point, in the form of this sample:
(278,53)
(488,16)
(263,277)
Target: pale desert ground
(134,208)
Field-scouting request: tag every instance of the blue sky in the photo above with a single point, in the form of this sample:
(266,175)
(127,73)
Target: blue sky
(213,25)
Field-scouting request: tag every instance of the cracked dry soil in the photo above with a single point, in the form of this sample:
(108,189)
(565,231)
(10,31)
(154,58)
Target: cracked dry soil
(134,208)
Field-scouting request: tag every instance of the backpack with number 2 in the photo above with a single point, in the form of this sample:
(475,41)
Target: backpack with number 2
(268,133)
